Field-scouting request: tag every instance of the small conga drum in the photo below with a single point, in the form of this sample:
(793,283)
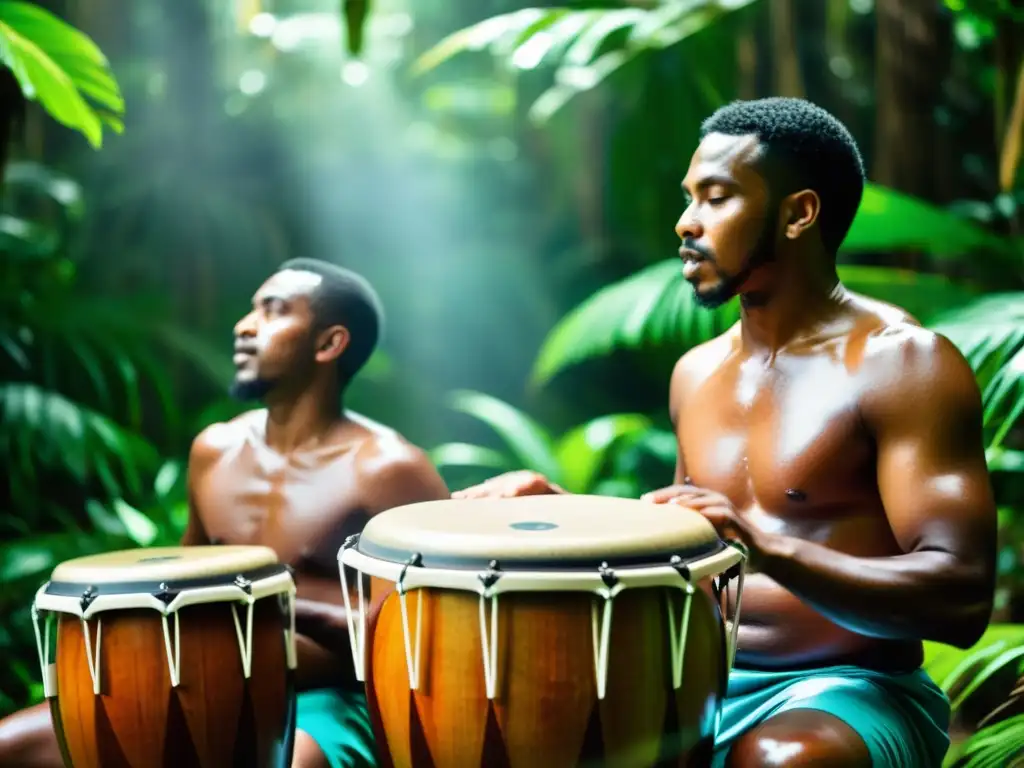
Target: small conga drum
(177,656)
(543,631)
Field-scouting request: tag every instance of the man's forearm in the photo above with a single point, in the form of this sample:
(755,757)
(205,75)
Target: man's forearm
(921,595)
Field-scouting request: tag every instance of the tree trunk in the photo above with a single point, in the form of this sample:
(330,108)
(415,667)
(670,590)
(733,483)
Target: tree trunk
(913,49)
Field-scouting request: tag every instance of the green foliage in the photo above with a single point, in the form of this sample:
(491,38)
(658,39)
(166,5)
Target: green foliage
(578,461)
(586,47)
(61,68)
(82,376)
(889,221)
(990,333)
(964,675)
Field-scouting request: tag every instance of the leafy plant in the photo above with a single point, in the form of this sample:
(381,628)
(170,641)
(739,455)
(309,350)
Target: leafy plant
(586,46)
(580,461)
(61,68)
(966,676)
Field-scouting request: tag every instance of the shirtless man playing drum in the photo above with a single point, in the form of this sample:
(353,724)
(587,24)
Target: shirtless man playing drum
(840,442)
(298,476)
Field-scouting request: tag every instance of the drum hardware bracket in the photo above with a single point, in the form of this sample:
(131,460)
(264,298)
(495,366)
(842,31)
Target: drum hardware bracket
(680,567)
(243,584)
(165,594)
(490,577)
(88,595)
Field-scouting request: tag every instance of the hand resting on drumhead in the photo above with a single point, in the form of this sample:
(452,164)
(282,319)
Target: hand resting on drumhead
(509,485)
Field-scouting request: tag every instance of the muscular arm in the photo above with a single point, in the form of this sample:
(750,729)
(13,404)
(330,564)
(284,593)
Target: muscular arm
(390,478)
(933,482)
(202,455)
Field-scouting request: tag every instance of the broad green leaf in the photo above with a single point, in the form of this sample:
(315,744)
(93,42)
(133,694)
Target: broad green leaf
(467,455)
(998,745)
(528,442)
(140,528)
(481,35)
(652,307)
(922,295)
(947,665)
(582,451)
(55,64)
(888,220)
(993,665)
(58,432)
(990,333)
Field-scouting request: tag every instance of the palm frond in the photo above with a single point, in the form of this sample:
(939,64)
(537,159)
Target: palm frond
(583,451)
(39,427)
(990,333)
(61,68)
(586,46)
(888,221)
(529,443)
(653,307)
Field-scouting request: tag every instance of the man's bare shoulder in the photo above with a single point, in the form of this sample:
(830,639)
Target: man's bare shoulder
(220,437)
(907,367)
(393,471)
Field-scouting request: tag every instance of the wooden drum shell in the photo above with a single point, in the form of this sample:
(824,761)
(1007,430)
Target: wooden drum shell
(214,718)
(546,711)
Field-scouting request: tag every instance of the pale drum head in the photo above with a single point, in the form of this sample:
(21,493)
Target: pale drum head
(538,532)
(162,564)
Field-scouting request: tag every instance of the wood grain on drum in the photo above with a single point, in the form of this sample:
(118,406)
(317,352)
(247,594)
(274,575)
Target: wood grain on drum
(213,719)
(546,711)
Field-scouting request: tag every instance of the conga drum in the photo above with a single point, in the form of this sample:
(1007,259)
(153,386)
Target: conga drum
(176,656)
(543,631)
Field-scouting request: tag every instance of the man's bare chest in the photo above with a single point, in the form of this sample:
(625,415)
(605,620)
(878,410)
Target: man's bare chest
(789,446)
(300,512)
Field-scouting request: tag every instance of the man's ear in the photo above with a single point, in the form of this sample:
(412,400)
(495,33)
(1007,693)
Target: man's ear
(801,211)
(331,343)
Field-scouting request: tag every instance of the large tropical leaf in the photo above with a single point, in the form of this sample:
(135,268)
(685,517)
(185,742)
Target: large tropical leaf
(61,68)
(889,221)
(41,428)
(587,46)
(575,461)
(990,334)
(921,294)
(653,307)
(582,451)
(529,443)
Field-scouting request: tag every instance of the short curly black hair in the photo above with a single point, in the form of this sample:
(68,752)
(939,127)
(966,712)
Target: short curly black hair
(344,298)
(815,150)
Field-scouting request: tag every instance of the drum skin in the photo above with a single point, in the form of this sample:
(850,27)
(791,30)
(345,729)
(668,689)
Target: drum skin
(546,713)
(213,719)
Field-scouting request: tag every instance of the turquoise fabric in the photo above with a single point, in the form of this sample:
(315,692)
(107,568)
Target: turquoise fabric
(903,719)
(339,722)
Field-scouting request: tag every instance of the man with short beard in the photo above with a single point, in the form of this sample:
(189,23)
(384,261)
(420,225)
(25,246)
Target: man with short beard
(838,441)
(298,476)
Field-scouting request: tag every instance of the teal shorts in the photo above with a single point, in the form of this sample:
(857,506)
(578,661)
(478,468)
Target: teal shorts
(339,722)
(903,719)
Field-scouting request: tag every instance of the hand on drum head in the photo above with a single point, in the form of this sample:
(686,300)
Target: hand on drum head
(510,485)
(716,509)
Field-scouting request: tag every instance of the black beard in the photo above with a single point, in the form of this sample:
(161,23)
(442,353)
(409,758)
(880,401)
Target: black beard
(251,390)
(729,285)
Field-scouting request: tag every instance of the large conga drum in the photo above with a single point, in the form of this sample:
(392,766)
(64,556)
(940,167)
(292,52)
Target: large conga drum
(542,631)
(177,656)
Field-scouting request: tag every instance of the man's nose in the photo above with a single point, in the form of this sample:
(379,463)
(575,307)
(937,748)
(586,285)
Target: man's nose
(688,228)
(246,327)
